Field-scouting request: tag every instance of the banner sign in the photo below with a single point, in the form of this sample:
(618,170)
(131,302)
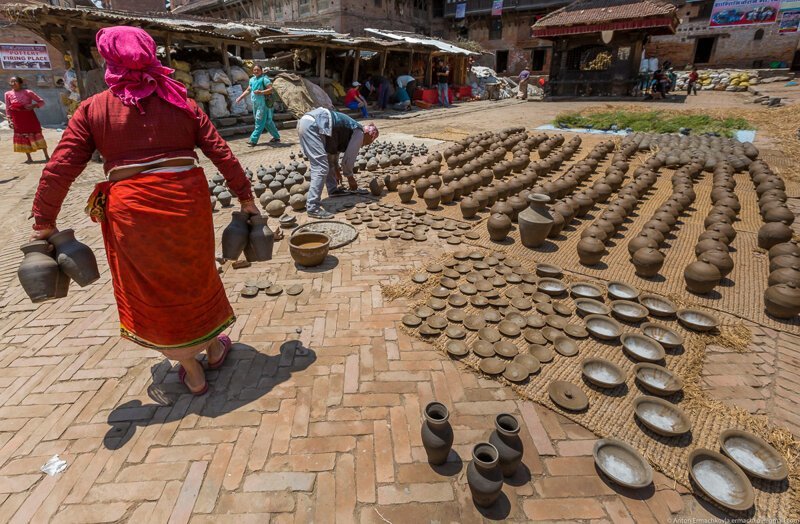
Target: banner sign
(461,10)
(497,7)
(788,5)
(790,21)
(24,56)
(728,13)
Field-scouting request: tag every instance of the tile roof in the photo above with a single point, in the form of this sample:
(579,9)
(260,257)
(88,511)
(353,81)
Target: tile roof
(583,12)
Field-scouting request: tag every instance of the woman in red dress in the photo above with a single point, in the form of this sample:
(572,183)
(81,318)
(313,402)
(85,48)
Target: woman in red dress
(154,208)
(20,103)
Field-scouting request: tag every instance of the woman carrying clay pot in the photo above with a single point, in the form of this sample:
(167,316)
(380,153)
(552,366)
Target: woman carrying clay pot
(153,208)
(261,93)
(20,105)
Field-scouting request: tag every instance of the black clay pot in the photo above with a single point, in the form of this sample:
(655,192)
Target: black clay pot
(74,258)
(484,476)
(235,236)
(39,273)
(505,438)
(437,434)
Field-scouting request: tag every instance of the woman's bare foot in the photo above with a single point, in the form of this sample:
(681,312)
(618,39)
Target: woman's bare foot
(193,376)
(214,351)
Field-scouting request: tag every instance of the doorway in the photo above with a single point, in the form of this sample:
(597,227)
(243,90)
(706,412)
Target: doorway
(796,61)
(537,59)
(702,53)
(501,61)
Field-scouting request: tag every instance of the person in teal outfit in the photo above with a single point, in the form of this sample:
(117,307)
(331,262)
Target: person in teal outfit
(260,90)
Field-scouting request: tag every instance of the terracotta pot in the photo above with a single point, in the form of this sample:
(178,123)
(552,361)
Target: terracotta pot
(432,198)
(260,240)
(309,249)
(491,195)
(782,300)
(484,477)
(709,245)
(659,225)
(436,433)
(647,261)
(606,225)
(558,225)
(505,438)
(405,192)
(498,225)
(235,236)
(436,181)
(486,177)
(779,213)
(614,218)
(781,261)
(502,190)
(642,240)
(518,204)
(701,276)
(773,233)
(74,258)
(721,259)
(535,222)
(590,250)
(446,194)
(469,207)
(376,186)
(504,208)
(595,230)
(39,273)
(784,248)
(785,275)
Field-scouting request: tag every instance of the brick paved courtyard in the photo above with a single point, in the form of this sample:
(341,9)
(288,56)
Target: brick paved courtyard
(316,416)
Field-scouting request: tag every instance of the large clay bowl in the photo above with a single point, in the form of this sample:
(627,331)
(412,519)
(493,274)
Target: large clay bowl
(622,463)
(602,373)
(603,327)
(642,348)
(697,320)
(658,306)
(548,271)
(621,291)
(661,417)
(667,337)
(721,479)
(586,290)
(309,249)
(628,311)
(753,454)
(551,286)
(588,306)
(657,380)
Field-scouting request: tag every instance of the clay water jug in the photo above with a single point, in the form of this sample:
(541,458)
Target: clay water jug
(405,192)
(773,233)
(235,236)
(260,240)
(518,205)
(432,198)
(446,193)
(376,186)
(469,207)
(484,476)
(782,300)
(39,273)
(498,225)
(536,221)
(558,225)
(74,258)
(590,250)
(421,186)
(505,438)
(701,276)
(437,434)
(647,261)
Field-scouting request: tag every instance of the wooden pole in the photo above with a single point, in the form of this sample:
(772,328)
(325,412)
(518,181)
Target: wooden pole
(383,61)
(167,48)
(324,52)
(356,65)
(226,64)
(76,61)
(429,72)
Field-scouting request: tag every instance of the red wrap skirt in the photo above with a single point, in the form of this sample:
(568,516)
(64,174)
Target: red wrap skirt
(159,239)
(27,131)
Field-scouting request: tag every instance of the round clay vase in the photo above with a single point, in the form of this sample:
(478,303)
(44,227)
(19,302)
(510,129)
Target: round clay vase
(773,233)
(421,186)
(785,275)
(392,181)
(782,300)
(640,241)
(701,276)
(782,261)
(446,193)
(484,477)
(469,207)
(709,245)
(498,225)
(432,198)
(376,186)
(75,258)
(505,438)
(518,205)
(784,248)
(558,225)
(437,434)
(721,259)
(405,192)
(235,236)
(224,198)
(647,261)
(503,207)
(536,221)
(590,250)
(39,273)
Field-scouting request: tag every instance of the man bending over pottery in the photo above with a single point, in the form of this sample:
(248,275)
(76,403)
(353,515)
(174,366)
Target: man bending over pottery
(325,134)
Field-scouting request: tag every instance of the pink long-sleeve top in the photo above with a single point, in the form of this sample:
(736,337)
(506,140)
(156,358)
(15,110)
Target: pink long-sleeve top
(17,100)
(126,136)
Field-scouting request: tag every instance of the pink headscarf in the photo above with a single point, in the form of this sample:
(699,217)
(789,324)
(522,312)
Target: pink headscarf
(132,70)
(371,130)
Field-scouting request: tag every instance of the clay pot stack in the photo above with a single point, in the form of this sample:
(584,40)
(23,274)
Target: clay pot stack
(382,155)
(777,217)
(782,297)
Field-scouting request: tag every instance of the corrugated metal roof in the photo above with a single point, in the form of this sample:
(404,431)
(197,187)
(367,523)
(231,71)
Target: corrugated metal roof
(591,12)
(413,38)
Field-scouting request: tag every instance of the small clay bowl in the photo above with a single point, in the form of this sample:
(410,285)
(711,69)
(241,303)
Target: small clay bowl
(484,286)
(548,271)
(661,417)
(517,319)
(753,454)
(479,301)
(585,290)
(576,331)
(551,333)
(492,315)
(412,320)
(489,334)
(448,282)
(534,336)
(545,308)
(455,332)
(565,346)
(721,479)
(588,306)
(492,365)
(457,348)
(440,292)
(541,298)
(508,328)
(507,349)
(621,291)
(551,286)
(294,290)
(642,348)
(521,303)
(420,278)
(697,320)
(483,349)
(542,353)
(658,306)
(499,302)
(555,321)
(657,380)
(602,373)
(621,463)
(474,322)
(513,279)
(461,255)
(457,300)
(535,321)
(249,291)
(427,331)
(475,255)
(437,304)
(424,312)
(667,337)
(435,321)
(515,372)
(434,268)
(530,362)
(603,327)
(468,289)
(567,395)
(514,293)
(456,315)
(562,308)
(628,311)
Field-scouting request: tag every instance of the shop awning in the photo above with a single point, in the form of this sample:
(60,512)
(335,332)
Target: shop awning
(592,16)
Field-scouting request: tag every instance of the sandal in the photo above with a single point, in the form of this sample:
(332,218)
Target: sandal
(198,393)
(226,347)
(277,234)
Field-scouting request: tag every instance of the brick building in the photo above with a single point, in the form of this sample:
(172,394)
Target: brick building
(752,46)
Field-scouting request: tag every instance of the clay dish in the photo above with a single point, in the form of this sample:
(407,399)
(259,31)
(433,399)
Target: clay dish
(447,282)
(497,281)
(585,290)
(567,395)
(527,289)
(514,292)
(473,277)
(468,289)
(479,301)
(575,330)
(697,320)
(535,321)
(491,261)
(456,332)
(565,346)
(507,349)
(588,306)
(511,262)
(480,266)
(456,315)
(621,291)
(545,309)
(424,312)
(274,290)
(517,319)
(562,308)
(508,328)
(427,331)
(642,348)
(667,337)
(489,334)
(476,255)
(657,380)
(249,291)
(603,327)
(542,353)
(721,479)
(550,333)
(661,417)
(463,268)
(628,311)
(548,271)
(492,365)
(555,321)
(474,322)
(658,306)
(484,286)
(457,348)
(551,286)
(437,304)
(499,302)
(513,279)
(461,255)
(294,290)
(515,372)
(530,362)
(541,298)
(622,463)
(492,315)
(602,373)
(483,349)
(457,300)
(753,454)
(534,336)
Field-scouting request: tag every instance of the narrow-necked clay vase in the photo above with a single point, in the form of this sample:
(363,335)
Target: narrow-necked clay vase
(39,273)
(536,221)
(773,233)
(484,476)
(437,434)
(782,300)
(432,198)
(405,192)
(701,276)
(260,240)
(469,207)
(505,438)
(647,261)
(75,258)
(498,225)
(235,236)
(590,250)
